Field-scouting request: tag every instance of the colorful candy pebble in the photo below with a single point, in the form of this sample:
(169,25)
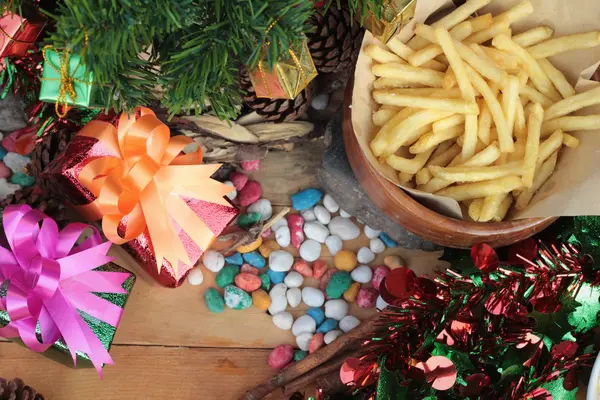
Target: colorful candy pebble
(226,276)
(262,207)
(249,194)
(247,220)
(348,323)
(367,297)
(316,343)
(345,260)
(16,162)
(312,297)
(213,261)
(250,165)
(275,276)
(235,259)
(3,152)
(214,301)
(295,221)
(394,262)
(236,298)
(238,179)
(4,171)
(281,356)
(250,247)
(297,237)
(328,325)
(319,268)
(306,199)
(317,314)
(300,355)
(268,247)
(255,259)
(195,277)
(379,273)
(338,284)
(325,279)
(266,233)
(261,300)
(249,269)
(302,268)
(265,282)
(389,242)
(352,292)
(247,282)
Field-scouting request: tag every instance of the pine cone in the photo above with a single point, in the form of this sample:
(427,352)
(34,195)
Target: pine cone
(336,40)
(17,390)
(40,200)
(45,151)
(279,110)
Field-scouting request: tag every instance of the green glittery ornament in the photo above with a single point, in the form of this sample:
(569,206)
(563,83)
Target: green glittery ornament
(587,232)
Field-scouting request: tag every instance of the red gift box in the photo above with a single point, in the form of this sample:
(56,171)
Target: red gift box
(18,34)
(63,175)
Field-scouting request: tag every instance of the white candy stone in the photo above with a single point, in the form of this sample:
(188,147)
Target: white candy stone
(320,101)
(310,250)
(281,261)
(293,279)
(308,215)
(330,204)
(16,162)
(344,214)
(233,194)
(322,215)
(283,320)
(344,228)
(377,246)
(362,274)
(280,222)
(7,188)
(348,323)
(263,207)
(334,244)
(312,297)
(195,277)
(213,261)
(316,231)
(278,299)
(304,324)
(336,309)
(332,335)
(294,297)
(371,233)
(303,341)
(283,236)
(381,304)
(365,255)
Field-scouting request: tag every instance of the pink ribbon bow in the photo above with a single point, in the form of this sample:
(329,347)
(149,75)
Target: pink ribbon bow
(50,278)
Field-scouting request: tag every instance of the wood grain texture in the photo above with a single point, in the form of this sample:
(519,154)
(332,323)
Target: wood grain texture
(420,220)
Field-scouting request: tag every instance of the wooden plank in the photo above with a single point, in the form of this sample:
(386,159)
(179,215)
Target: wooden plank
(142,372)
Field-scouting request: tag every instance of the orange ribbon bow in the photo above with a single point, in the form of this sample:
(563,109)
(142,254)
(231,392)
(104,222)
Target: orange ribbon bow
(145,184)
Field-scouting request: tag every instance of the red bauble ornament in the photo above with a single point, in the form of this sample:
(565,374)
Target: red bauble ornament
(484,257)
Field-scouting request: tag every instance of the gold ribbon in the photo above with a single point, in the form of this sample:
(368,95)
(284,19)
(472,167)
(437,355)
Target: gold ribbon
(145,183)
(13,39)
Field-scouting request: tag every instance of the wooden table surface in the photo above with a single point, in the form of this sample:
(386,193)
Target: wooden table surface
(169,346)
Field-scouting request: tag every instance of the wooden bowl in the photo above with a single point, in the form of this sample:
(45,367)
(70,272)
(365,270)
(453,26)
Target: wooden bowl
(420,220)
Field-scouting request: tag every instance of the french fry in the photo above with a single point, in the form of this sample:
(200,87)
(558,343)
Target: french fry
(533,95)
(570,141)
(409,166)
(503,209)
(470,143)
(485,68)
(572,104)
(510,98)
(458,66)
(557,78)
(541,176)
(384,115)
(433,92)
(568,124)
(538,77)
(404,178)
(481,22)
(532,146)
(401,100)
(475,209)
(533,36)
(381,55)
(549,146)
(386,132)
(483,36)
(394,83)
(523,78)
(476,174)
(449,81)
(475,190)
(403,51)
(519,152)
(409,73)
(516,13)
(423,176)
(491,205)
(484,124)
(447,123)
(445,157)
(459,32)
(502,58)
(559,45)
(431,140)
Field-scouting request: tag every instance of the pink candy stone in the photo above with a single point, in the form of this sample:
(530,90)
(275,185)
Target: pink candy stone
(281,356)
(379,273)
(266,233)
(325,279)
(249,194)
(5,172)
(303,268)
(295,221)
(249,269)
(252,165)
(247,282)
(316,342)
(319,268)
(238,179)
(367,297)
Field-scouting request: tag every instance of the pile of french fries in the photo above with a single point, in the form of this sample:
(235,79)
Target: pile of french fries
(470,112)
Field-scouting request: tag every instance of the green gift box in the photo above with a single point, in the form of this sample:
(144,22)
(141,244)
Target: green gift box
(77,80)
(102,330)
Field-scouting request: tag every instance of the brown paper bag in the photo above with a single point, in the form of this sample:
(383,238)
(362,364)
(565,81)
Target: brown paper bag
(573,188)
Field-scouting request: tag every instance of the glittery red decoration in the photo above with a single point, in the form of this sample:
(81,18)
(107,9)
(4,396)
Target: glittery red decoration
(440,371)
(399,282)
(564,349)
(525,250)
(475,385)
(485,258)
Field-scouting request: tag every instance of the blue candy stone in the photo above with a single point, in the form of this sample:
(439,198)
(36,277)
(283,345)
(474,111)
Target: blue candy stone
(389,242)
(3,152)
(317,314)
(306,199)
(276,276)
(329,325)
(255,259)
(22,179)
(235,259)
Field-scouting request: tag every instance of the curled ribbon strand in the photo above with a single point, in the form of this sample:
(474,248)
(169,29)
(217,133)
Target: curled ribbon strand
(50,278)
(144,185)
